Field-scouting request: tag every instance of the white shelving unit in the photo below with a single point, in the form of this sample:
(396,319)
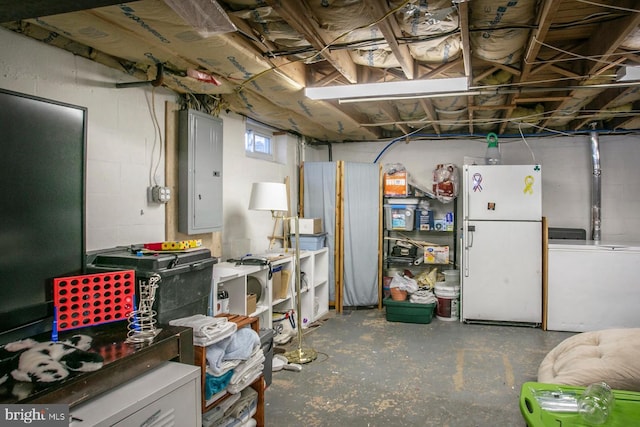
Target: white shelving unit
(314,291)
(321,283)
(287,303)
(306,288)
(234,279)
(440,234)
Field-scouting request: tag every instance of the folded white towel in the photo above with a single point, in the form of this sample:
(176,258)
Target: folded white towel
(241,370)
(213,416)
(202,325)
(223,368)
(248,378)
(243,408)
(207,330)
(238,346)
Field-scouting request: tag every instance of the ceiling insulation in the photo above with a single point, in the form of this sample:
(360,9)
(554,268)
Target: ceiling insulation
(535,66)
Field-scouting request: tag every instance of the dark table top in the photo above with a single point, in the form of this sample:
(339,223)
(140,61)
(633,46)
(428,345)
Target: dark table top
(122,361)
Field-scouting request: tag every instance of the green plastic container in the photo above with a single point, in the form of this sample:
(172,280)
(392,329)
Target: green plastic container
(408,312)
(625,412)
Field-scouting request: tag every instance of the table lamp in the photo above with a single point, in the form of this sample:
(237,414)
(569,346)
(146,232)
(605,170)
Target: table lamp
(272,196)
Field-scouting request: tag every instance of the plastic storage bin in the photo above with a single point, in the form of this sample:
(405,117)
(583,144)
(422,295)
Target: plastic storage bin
(408,312)
(309,242)
(185,278)
(625,412)
(399,217)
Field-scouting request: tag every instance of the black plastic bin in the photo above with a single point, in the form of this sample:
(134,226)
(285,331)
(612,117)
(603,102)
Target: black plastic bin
(266,343)
(185,278)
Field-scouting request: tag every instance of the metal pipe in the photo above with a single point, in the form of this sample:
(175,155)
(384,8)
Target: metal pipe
(596,185)
(329,148)
(155,83)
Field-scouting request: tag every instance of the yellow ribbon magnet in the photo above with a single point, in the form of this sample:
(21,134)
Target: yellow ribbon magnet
(528,185)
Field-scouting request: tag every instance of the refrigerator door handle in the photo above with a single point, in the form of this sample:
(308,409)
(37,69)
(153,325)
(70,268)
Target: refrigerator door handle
(467,233)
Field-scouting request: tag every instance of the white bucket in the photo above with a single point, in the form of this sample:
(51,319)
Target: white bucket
(448,307)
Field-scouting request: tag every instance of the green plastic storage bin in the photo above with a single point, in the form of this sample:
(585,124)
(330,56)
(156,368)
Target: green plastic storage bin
(408,312)
(625,412)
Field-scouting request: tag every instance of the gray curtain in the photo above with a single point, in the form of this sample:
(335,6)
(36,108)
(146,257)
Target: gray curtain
(361,208)
(320,202)
(360,223)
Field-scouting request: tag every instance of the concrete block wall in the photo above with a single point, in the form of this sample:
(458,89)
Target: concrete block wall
(566,177)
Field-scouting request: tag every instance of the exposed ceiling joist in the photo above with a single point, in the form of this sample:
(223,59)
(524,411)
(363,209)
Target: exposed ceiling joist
(282,46)
(430,112)
(391,31)
(11,10)
(544,20)
(601,45)
(296,15)
(463,14)
(610,35)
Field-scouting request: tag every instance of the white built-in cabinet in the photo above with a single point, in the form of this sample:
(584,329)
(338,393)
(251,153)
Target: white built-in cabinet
(314,294)
(314,289)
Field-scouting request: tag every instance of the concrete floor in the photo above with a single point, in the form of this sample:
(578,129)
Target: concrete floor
(371,372)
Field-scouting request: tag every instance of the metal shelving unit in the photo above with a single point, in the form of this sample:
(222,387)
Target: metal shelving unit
(398,257)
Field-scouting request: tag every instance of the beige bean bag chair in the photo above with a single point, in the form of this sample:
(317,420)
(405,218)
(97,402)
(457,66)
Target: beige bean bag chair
(611,355)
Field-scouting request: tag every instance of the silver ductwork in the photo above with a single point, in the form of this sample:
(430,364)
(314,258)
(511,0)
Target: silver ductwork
(596,186)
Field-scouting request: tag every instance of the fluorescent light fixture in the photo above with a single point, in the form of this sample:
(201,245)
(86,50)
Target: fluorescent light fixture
(407,97)
(628,73)
(405,87)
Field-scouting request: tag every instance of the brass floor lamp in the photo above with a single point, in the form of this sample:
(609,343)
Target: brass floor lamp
(272,196)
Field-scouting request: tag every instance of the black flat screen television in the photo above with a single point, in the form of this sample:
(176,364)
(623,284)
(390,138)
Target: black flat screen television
(42,213)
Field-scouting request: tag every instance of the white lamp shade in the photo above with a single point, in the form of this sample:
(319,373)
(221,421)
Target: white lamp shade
(269,196)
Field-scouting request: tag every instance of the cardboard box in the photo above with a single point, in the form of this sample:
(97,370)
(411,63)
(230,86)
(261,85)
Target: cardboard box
(439,225)
(395,184)
(436,254)
(306,225)
(284,284)
(424,220)
(279,282)
(252,304)
(448,221)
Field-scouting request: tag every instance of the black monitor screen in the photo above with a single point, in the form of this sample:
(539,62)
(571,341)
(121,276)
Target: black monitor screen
(42,213)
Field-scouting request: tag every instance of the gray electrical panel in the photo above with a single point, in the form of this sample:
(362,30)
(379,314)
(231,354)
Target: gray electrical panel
(200,173)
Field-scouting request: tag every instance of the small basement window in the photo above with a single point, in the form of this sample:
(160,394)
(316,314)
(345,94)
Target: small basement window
(259,141)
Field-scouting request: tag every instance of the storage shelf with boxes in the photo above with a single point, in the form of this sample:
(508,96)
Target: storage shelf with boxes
(419,226)
(311,234)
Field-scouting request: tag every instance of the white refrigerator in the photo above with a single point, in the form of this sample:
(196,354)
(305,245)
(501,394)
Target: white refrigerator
(502,244)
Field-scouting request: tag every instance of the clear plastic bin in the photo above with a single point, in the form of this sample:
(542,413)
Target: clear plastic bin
(399,217)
